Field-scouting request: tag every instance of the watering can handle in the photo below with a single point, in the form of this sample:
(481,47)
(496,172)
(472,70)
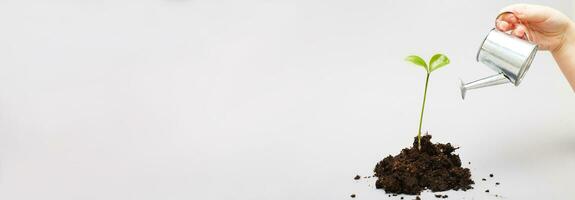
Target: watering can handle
(507,13)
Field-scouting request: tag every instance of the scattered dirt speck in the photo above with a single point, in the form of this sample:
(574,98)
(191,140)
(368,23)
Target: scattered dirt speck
(352,195)
(357,177)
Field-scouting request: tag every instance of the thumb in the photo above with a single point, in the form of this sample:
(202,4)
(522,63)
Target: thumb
(529,13)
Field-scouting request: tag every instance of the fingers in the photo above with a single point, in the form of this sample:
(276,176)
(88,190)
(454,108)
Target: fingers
(504,26)
(520,31)
(506,21)
(508,17)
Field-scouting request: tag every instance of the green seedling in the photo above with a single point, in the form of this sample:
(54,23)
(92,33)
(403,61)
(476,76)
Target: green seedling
(436,62)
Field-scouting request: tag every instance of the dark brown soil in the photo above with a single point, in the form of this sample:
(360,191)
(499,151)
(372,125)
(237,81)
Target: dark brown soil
(433,167)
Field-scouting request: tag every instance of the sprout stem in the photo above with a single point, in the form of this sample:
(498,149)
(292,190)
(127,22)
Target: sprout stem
(422,110)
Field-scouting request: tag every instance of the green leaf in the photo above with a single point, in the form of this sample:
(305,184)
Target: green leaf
(417,61)
(438,61)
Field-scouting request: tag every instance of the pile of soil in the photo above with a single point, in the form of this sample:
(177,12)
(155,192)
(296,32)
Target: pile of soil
(433,167)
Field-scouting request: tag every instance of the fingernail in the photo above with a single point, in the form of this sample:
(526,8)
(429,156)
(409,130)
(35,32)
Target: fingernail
(502,24)
(519,33)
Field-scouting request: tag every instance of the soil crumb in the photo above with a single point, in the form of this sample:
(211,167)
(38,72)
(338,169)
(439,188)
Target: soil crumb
(413,170)
(491,175)
(357,177)
(352,195)
(417,198)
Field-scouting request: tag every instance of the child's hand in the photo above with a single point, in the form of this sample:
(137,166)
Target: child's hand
(547,27)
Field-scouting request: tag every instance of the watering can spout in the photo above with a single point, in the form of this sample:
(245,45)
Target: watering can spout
(493,80)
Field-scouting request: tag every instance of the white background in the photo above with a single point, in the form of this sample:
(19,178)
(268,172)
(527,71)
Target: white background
(209,99)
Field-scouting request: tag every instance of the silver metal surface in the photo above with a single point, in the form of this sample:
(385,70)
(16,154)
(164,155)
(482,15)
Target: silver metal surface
(496,79)
(507,55)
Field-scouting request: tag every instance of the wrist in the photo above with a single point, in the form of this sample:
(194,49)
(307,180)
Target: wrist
(564,56)
(567,42)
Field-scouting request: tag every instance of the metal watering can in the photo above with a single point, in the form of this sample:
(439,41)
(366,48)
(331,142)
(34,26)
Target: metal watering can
(506,54)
